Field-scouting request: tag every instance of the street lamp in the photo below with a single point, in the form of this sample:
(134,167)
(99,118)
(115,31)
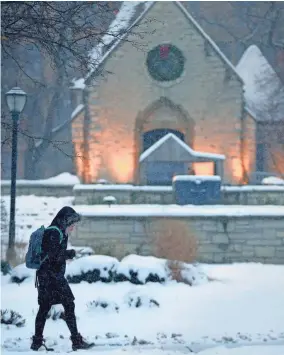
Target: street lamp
(16,99)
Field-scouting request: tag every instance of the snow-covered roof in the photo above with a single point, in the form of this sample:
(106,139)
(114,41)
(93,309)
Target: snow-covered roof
(78,84)
(191,152)
(263,90)
(116,32)
(122,24)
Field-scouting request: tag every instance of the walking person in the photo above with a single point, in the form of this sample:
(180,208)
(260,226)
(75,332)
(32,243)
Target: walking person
(52,286)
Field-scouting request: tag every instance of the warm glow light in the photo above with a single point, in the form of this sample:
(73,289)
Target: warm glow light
(78,160)
(237,169)
(121,166)
(203,168)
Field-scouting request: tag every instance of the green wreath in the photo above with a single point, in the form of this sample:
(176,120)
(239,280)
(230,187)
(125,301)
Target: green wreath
(165,62)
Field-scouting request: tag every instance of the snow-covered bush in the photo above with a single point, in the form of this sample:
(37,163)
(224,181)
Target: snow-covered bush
(92,269)
(9,316)
(21,273)
(136,300)
(103,305)
(189,274)
(5,267)
(56,312)
(141,269)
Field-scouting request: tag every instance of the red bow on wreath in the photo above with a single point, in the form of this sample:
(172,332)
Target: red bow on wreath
(164,51)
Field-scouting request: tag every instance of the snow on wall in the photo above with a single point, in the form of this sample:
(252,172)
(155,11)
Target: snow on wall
(178,211)
(122,187)
(196,178)
(272,180)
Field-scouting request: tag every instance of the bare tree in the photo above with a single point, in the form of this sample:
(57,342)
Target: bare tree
(237,25)
(44,45)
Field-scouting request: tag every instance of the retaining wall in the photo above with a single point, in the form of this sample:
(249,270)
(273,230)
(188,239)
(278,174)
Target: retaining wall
(220,237)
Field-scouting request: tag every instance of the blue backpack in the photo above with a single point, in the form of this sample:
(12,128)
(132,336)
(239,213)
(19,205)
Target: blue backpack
(33,256)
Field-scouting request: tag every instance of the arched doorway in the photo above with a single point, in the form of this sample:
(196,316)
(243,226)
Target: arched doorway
(157,120)
(151,137)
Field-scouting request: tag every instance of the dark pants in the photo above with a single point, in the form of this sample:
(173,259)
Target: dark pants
(70,318)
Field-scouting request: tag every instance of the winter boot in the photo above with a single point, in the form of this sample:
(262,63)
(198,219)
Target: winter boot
(79,343)
(37,342)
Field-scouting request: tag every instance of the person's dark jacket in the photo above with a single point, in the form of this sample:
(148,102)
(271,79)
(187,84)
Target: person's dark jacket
(53,288)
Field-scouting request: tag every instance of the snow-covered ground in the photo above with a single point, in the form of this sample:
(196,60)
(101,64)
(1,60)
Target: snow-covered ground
(61,179)
(31,213)
(240,313)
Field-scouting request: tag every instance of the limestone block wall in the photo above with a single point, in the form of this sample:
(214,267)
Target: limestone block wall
(220,239)
(249,155)
(129,194)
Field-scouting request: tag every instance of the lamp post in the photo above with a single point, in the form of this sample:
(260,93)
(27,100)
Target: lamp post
(16,100)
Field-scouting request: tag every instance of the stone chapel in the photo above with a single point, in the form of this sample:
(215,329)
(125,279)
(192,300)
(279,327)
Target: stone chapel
(162,100)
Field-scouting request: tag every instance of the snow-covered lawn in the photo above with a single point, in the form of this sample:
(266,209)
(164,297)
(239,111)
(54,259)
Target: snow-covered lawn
(241,313)
(31,213)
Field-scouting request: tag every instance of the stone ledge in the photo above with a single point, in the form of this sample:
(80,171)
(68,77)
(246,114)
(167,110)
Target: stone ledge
(130,194)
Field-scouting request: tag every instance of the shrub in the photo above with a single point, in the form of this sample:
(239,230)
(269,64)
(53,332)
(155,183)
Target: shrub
(9,316)
(21,273)
(91,269)
(140,270)
(137,301)
(5,267)
(185,273)
(174,241)
(105,305)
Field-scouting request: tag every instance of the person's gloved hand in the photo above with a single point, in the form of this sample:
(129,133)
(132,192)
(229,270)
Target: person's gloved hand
(71,253)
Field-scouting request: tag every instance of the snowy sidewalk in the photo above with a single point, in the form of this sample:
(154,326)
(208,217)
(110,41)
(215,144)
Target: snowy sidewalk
(246,350)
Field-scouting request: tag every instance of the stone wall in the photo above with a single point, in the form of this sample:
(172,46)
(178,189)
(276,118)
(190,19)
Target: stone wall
(219,238)
(129,194)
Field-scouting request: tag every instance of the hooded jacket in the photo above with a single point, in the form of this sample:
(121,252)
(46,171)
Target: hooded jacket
(53,288)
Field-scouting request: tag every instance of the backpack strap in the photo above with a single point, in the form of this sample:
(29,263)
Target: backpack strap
(58,230)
